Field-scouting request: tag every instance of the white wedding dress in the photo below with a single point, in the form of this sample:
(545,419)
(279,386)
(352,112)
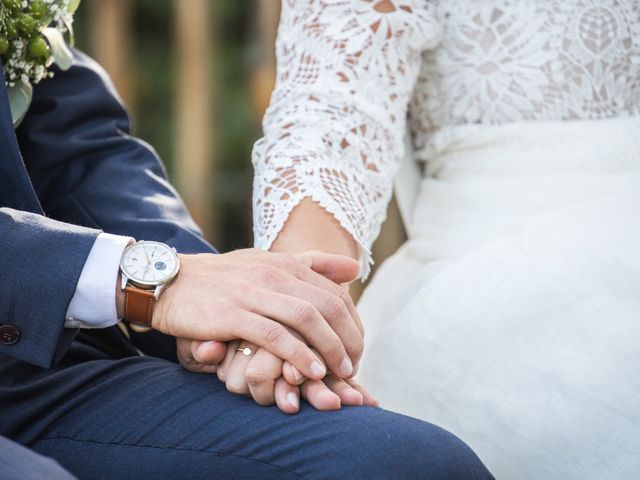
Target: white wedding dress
(511,316)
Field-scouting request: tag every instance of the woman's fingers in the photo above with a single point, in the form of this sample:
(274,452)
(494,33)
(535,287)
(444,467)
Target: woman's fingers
(208,353)
(236,373)
(319,395)
(337,268)
(224,367)
(347,394)
(202,357)
(287,396)
(368,398)
(332,392)
(292,375)
(261,374)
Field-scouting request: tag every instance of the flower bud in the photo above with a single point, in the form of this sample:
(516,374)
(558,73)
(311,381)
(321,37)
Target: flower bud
(38,49)
(26,24)
(38,8)
(13,5)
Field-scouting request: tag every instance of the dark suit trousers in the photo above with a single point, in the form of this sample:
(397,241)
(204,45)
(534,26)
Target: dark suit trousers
(145,417)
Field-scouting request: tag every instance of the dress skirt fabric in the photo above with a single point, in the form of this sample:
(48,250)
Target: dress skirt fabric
(511,316)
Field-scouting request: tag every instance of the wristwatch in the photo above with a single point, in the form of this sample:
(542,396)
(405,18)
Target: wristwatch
(147,269)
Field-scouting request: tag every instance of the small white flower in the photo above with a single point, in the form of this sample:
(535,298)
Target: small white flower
(18,65)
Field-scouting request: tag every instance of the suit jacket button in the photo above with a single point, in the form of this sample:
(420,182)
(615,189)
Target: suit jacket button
(9,334)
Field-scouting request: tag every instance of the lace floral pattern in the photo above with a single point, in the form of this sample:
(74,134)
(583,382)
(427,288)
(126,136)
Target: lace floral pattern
(333,130)
(349,71)
(515,60)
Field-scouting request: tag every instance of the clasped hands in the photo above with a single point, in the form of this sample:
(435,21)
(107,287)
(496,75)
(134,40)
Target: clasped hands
(302,327)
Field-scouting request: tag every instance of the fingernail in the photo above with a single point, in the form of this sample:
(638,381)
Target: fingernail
(346,367)
(203,346)
(292,398)
(359,396)
(318,369)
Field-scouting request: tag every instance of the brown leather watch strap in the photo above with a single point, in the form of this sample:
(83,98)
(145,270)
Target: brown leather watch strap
(138,305)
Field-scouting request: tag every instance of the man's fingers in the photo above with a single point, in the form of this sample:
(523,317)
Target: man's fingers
(261,374)
(302,316)
(322,271)
(307,309)
(316,279)
(278,340)
(337,268)
(287,396)
(348,395)
(319,395)
(290,373)
(341,314)
(337,308)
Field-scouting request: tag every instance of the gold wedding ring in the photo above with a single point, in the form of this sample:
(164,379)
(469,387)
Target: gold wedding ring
(246,351)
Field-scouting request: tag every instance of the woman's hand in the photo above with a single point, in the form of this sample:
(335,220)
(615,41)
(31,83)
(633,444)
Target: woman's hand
(200,357)
(269,380)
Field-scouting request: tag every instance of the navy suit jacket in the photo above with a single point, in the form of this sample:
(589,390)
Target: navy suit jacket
(68,172)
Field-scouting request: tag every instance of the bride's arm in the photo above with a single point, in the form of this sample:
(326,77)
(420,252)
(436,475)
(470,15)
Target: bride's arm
(311,227)
(334,129)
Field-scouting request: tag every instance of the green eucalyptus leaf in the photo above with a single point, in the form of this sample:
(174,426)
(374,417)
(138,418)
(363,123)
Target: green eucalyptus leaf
(73,6)
(59,49)
(20,96)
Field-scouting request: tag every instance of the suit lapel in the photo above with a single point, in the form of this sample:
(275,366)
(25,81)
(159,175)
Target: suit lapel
(16,190)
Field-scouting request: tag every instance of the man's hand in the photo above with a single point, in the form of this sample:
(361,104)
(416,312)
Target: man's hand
(268,379)
(256,295)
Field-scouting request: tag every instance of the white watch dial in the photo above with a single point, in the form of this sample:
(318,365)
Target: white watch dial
(149,263)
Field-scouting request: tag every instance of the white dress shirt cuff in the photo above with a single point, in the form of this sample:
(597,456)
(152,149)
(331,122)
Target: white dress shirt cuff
(94,302)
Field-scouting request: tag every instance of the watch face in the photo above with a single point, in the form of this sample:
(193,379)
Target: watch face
(149,263)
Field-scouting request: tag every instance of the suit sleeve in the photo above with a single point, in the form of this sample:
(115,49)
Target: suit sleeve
(88,170)
(41,262)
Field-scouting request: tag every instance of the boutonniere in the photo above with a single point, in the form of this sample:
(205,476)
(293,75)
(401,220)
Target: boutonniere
(33,36)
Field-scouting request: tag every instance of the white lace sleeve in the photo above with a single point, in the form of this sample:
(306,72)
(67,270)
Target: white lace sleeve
(334,129)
